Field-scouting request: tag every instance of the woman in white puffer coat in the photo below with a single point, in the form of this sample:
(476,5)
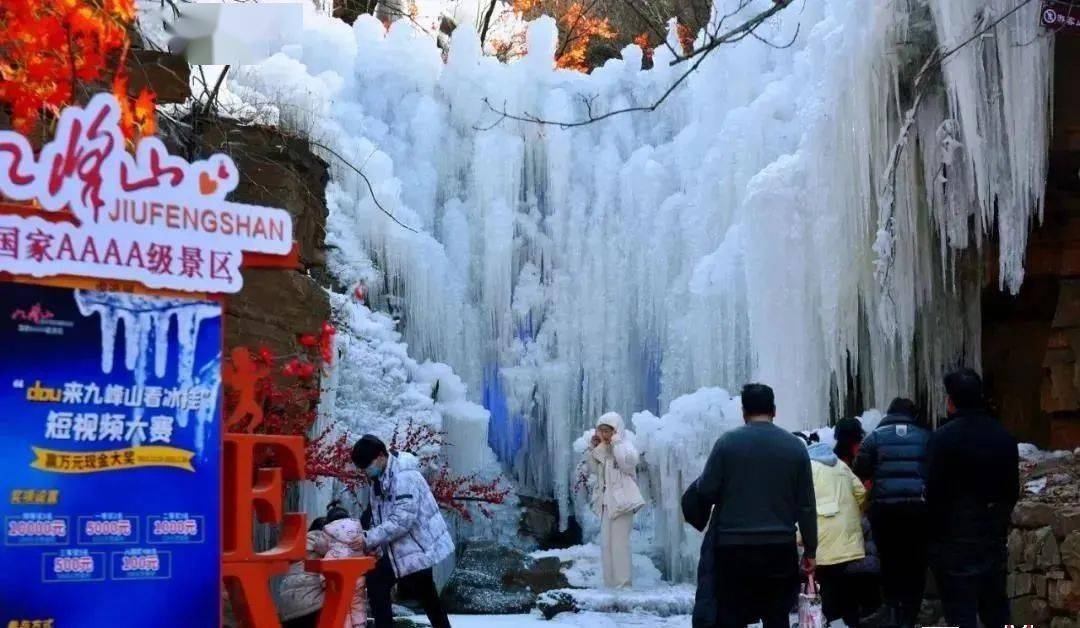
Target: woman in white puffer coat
(612,461)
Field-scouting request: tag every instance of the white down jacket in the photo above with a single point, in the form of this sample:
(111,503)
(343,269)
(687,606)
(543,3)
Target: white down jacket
(614,471)
(406,521)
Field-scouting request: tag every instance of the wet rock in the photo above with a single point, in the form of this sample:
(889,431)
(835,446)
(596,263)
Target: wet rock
(540,575)
(1050,465)
(552,603)
(1064,595)
(1070,555)
(496,579)
(1046,548)
(1031,610)
(539,519)
(1016,548)
(1017,584)
(1066,522)
(1030,514)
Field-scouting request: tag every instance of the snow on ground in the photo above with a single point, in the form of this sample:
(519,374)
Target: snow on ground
(583,569)
(1031,453)
(649,594)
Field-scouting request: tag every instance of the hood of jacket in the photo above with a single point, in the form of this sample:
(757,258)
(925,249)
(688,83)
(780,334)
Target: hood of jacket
(823,453)
(612,419)
(344,530)
(403,461)
(399,461)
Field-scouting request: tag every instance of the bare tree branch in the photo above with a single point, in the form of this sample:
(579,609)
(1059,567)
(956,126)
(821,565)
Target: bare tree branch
(214,92)
(734,35)
(367,181)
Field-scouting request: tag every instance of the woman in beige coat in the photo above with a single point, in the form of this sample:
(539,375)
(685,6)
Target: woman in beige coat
(612,461)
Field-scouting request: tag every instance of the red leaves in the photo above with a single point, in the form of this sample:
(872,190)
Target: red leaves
(329,458)
(452,492)
(50,47)
(456,492)
(290,395)
(326,343)
(579,30)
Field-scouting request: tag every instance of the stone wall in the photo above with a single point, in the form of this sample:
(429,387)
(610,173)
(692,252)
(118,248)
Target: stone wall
(1044,546)
(276,305)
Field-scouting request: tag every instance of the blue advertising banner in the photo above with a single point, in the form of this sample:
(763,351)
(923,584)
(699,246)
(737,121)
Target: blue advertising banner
(110,437)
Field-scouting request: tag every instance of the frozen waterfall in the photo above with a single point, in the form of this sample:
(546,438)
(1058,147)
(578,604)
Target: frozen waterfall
(786,216)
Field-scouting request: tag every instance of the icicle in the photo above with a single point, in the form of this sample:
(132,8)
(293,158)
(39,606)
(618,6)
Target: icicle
(793,214)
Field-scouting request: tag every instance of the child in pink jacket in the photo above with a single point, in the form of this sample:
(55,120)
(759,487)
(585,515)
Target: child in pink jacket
(302,592)
(343,533)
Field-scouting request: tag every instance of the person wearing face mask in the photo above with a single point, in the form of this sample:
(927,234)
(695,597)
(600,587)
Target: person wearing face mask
(612,461)
(406,526)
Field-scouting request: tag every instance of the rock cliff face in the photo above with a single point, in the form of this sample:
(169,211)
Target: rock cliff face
(278,171)
(1031,341)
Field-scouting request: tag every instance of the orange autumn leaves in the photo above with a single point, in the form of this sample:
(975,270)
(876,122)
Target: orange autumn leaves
(581,30)
(578,28)
(49,47)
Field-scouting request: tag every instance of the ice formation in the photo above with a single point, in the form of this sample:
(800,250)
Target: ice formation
(143,317)
(375,388)
(787,215)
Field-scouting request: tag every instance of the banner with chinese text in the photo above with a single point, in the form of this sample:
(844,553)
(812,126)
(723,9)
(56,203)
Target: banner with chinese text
(84,206)
(111,491)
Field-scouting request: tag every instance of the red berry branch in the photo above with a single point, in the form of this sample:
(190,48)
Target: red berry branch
(455,492)
(285,389)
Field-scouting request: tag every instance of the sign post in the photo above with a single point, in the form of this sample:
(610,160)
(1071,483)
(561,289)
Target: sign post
(1061,16)
(110,390)
(112,450)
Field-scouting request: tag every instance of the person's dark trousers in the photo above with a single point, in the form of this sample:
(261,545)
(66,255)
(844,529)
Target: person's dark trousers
(840,595)
(305,621)
(756,582)
(704,615)
(901,534)
(419,586)
(971,580)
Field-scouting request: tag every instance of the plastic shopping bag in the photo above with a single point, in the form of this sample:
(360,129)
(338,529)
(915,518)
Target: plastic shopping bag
(810,613)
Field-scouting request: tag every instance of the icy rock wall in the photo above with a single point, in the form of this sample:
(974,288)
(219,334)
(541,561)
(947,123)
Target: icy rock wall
(785,216)
(674,448)
(375,387)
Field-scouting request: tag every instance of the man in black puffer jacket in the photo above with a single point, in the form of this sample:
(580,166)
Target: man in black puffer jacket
(893,457)
(971,487)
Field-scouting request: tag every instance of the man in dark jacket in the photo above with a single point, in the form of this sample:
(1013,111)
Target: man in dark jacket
(759,484)
(972,484)
(893,457)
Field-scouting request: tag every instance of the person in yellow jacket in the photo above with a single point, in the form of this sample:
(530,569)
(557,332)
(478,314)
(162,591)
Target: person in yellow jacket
(840,497)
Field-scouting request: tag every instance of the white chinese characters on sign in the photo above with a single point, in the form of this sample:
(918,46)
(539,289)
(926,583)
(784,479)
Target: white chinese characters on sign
(150,217)
(115,427)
